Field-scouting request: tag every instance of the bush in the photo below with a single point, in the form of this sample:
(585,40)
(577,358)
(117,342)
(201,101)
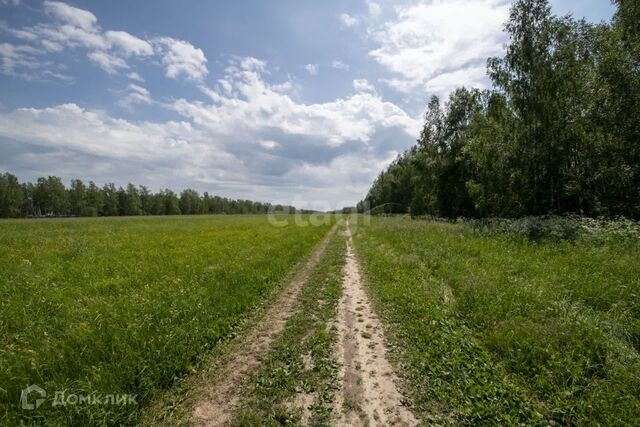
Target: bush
(89,211)
(560,228)
(534,228)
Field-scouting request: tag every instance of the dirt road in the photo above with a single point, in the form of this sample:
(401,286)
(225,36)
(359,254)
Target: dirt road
(217,402)
(368,394)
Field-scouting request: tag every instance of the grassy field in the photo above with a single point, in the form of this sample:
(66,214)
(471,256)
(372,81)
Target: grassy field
(500,330)
(127,305)
(484,327)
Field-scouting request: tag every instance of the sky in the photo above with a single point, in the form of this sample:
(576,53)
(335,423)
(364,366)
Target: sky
(290,101)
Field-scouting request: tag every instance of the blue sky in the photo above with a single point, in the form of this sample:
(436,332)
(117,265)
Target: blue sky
(302,102)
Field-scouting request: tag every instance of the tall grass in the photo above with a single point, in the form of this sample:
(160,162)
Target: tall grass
(502,329)
(125,305)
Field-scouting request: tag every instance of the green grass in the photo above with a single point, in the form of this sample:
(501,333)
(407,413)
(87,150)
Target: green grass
(127,305)
(500,330)
(269,393)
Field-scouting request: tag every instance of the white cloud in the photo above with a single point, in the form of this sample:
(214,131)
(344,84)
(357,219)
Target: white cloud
(109,63)
(69,126)
(258,108)
(130,45)
(135,76)
(72,15)
(181,58)
(443,83)
(15,57)
(374,9)
(312,69)
(74,28)
(136,95)
(339,65)
(444,41)
(300,150)
(268,144)
(363,85)
(348,20)
(51,46)
(25,62)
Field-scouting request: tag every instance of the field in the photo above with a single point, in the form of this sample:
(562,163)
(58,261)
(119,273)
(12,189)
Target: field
(126,305)
(496,330)
(229,320)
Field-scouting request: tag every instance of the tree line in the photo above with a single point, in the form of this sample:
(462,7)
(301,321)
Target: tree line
(49,197)
(558,132)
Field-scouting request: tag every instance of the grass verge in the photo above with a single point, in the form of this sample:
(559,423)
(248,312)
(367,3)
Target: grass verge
(501,330)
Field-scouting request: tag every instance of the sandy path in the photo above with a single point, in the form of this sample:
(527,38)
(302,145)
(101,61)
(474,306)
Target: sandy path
(218,400)
(368,393)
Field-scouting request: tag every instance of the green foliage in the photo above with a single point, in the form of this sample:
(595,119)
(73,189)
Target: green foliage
(49,197)
(494,329)
(11,197)
(558,133)
(119,305)
(557,228)
(553,228)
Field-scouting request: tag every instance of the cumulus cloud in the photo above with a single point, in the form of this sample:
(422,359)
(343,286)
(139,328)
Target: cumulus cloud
(135,76)
(348,20)
(259,107)
(109,63)
(181,58)
(339,65)
(268,144)
(472,76)
(72,15)
(439,45)
(69,126)
(312,69)
(363,85)
(74,28)
(135,95)
(374,9)
(129,44)
(251,140)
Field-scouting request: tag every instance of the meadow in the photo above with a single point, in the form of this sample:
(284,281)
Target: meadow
(526,322)
(94,307)
(496,329)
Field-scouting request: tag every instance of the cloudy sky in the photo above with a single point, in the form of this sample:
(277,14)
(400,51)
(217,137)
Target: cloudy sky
(301,102)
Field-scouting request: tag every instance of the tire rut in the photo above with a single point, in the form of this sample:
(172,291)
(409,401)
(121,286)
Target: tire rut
(218,400)
(368,394)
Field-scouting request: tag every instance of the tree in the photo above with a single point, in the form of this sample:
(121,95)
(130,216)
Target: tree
(171,202)
(77,197)
(11,196)
(131,201)
(146,200)
(190,202)
(94,200)
(110,202)
(558,133)
(28,206)
(50,197)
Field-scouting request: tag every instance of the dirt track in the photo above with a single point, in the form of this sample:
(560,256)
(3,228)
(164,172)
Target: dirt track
(217,402)
(368,394)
